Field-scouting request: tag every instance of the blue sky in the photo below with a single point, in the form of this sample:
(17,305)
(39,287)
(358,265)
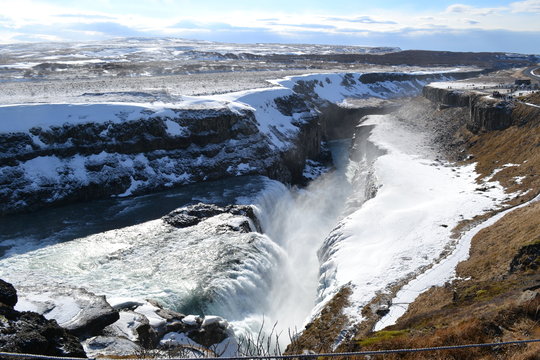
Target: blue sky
(462,25)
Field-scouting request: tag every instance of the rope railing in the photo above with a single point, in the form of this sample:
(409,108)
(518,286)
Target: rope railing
(296,356)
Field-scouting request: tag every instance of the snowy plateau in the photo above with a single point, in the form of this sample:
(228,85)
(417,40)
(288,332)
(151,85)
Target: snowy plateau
(194,221)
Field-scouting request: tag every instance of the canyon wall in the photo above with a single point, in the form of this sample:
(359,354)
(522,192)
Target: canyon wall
(486,113)
(53,154)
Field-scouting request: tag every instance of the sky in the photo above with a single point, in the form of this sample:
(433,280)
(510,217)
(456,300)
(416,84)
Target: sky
(462,25)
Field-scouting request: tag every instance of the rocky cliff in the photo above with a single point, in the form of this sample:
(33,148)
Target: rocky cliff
(447,97)
(59,153)
(486,113)
(76,162)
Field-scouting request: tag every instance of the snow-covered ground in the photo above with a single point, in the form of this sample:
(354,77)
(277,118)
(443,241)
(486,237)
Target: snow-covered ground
(20,117)
(408,224)
(440,273)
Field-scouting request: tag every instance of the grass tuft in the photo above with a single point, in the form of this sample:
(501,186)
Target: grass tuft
(382,336)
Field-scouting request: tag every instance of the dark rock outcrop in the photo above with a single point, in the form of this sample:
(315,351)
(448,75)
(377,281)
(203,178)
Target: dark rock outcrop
(138,329)
(371,78)
(194,214)
(31,333)
(448,97)
(490,114)
(527,259)
(8,294)
(485,113)
(340,122)
(210,332)
(207,331)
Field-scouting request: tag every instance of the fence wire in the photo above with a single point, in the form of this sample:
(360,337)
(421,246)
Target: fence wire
(297,356)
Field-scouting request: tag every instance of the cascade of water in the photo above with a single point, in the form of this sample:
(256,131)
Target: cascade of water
(298,220)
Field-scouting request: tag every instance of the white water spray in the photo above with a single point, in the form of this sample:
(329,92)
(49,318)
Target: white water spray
(298,220)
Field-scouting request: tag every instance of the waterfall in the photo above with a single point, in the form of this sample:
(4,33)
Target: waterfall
(298,221)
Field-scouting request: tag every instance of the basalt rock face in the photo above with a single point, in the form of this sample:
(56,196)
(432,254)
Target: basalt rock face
(8,294)
(103,150)
(380,77)
(486,113)
(31,333)
(200,127)
(306,146)
(97,160)
(490,114)
(448,97)
(344,120)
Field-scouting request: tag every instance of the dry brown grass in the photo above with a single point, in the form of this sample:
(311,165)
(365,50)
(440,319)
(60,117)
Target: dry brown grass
(494,248)
(513,320)
(321,333)
(532,98)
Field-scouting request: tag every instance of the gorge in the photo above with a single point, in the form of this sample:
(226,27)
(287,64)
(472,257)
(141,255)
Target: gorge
(377,205)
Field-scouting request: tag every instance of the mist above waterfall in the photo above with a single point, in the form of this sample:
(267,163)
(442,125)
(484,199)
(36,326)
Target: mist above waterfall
(298,220)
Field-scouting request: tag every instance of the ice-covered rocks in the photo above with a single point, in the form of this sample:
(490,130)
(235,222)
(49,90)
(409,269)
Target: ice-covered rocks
(28,332)
(110,346)
(192,215)
(133,326)
(77,310)
(121,327)
(147,325)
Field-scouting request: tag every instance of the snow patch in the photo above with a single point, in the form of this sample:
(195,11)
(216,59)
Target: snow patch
(175,129)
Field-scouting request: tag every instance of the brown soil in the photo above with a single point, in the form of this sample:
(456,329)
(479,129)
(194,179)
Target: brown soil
(320,334)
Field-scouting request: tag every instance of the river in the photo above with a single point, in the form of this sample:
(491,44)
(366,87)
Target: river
(119,247)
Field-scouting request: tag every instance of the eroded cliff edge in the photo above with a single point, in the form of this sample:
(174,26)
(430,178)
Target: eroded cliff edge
(486,112)
(60,153)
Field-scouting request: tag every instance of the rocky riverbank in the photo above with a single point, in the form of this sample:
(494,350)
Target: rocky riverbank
(31,333)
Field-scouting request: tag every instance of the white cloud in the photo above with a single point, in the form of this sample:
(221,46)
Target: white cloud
(26,20)
(471,10)
(527,6)
(458,8)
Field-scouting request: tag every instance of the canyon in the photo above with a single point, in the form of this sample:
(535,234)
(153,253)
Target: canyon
(191,223)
